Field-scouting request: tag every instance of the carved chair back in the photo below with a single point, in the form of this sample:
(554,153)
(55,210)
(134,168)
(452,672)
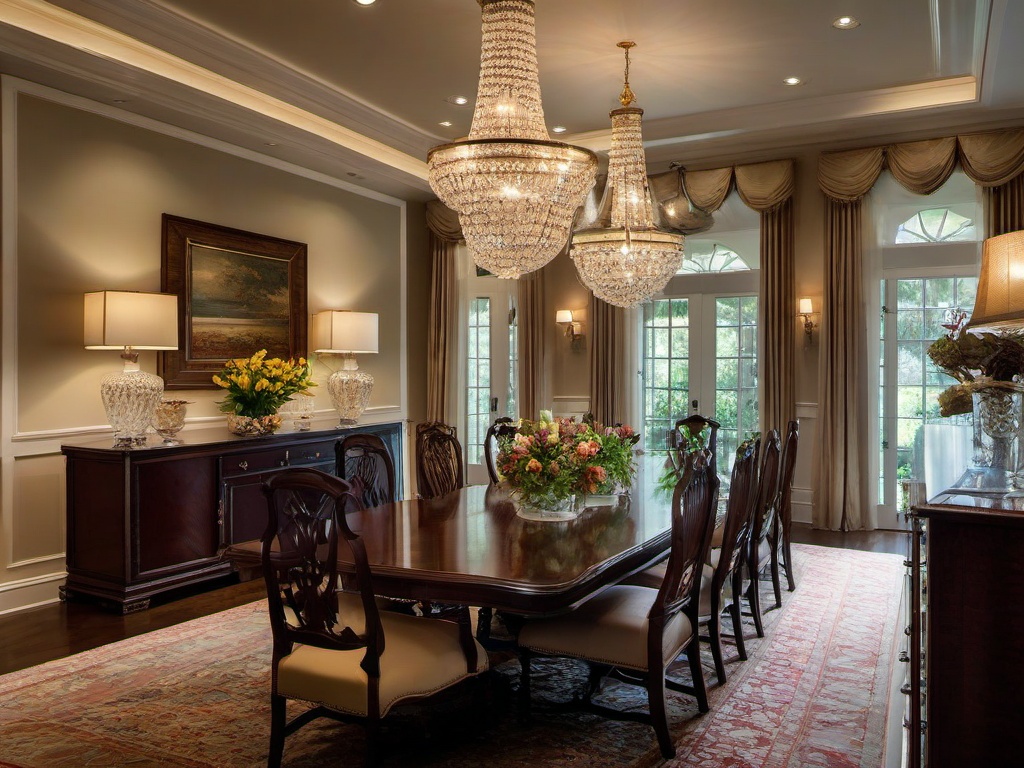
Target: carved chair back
(367,457)
(439,467)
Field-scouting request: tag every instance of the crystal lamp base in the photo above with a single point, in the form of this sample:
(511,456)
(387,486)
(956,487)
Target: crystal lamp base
(130,398)
(350,393)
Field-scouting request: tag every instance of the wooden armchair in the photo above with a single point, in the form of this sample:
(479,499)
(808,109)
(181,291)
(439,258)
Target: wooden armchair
(328,645)
(366,457)
(634,632)
(439,466)
(503,427)
(759,550)
(782,535)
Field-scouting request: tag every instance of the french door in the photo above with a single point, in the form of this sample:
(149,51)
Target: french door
(491,366)
(699,355)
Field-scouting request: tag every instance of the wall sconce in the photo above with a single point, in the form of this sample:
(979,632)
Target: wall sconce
(340,332)
(573,328)
(806,310)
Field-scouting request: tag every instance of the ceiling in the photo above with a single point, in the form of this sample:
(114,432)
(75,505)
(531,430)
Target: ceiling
(359,92)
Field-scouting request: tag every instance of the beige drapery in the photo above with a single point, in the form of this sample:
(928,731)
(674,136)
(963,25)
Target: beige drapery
(994,160)
(768,189)
(530,314)
(443,236)
(608,401)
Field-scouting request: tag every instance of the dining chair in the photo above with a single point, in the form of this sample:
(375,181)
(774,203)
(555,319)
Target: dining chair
(693,425)
(439,467)
(782,544)
(722,575)
(328,646)
(503,427)
(759,547)
(366,456)
(633,633)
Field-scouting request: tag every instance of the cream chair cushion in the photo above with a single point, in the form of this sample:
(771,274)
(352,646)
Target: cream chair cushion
(421,656)
(610,628)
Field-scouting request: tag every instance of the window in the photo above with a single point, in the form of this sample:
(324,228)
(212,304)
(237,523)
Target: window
(712,257)
(936,225)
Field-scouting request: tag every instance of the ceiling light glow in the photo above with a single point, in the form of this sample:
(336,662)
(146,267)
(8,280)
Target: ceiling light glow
(793,81)
(845,22)
(558,129)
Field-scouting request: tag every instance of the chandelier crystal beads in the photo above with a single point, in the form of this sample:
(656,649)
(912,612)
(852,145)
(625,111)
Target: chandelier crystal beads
(627,258)
(515,190)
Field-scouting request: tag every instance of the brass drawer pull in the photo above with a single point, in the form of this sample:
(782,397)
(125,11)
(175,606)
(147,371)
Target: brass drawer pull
(243,465)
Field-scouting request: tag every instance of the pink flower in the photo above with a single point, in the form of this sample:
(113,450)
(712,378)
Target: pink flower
(553,468)
(586,449)
(533,466)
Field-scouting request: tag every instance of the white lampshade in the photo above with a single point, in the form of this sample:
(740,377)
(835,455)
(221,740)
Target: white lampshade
(999,303)
(806,308)
(563,316)
(345,332)
(119,319)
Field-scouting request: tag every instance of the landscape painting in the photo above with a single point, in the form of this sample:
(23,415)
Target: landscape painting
(238,292)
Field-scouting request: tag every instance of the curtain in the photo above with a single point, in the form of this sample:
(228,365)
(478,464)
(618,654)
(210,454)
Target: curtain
(443,235)
(995,160)
(531,343)
(607,362)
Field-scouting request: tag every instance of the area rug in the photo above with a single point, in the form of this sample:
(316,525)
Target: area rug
(814,692)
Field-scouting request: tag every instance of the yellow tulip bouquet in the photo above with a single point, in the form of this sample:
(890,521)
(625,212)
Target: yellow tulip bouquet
(256,387)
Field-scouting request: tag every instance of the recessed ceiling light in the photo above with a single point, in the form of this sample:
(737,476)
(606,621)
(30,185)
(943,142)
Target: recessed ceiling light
(458,100)
(364,2)
(845,22)
(793,81)
(270,144)
(558,129)
(446,123)
(120,101)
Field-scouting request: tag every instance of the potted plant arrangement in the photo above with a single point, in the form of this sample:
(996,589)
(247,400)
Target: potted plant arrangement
(256,387)
(550,462)
(987,368)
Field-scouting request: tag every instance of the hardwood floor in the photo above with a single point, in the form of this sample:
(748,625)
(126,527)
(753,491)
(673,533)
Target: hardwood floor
(55,631)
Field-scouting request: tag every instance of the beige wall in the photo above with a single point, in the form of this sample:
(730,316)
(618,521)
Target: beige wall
(89,194)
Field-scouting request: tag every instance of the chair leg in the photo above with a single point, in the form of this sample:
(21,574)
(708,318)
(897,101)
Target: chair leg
(278,715)
(754,596)
(776,583)
(697,673)
(788,560)
(736,612)
(659,717)
(524,685)
(715,640)
(373,743)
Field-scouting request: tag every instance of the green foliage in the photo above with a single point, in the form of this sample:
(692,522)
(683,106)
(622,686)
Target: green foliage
(976,361)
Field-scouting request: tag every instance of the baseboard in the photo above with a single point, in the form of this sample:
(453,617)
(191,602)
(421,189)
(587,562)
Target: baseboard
(16,596)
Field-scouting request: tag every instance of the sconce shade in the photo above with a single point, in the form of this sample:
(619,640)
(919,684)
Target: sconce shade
(999,303)
(119,319)
(806,308)
(345,332)
(563,316)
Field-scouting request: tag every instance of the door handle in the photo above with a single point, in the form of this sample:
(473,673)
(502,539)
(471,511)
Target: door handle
(494,405)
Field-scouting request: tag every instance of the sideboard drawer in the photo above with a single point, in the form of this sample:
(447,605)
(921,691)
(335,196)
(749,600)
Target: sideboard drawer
(274,458)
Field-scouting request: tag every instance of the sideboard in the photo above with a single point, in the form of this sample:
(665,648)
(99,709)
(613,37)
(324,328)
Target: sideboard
(146,520)
(966,678)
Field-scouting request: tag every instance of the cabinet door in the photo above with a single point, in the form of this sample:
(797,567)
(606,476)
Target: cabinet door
(244,507)
(175,521)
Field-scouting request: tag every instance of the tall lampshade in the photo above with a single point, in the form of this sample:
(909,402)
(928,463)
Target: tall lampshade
(131,321)
(348,334)
(999,302)
(626,258)
(515,190)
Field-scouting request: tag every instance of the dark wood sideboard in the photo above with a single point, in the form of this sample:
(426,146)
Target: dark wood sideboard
(147,520)
(968,693)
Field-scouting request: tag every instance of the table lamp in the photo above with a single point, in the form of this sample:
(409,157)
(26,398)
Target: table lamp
(346,333)
(999,302)
(130,321)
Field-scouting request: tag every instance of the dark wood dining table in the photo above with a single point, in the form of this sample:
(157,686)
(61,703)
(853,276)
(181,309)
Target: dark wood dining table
(470,547)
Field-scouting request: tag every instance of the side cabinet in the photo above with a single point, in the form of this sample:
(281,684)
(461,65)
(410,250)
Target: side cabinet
(145,521)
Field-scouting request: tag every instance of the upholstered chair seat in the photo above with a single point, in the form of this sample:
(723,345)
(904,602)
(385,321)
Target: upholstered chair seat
(653,576)
(422,657)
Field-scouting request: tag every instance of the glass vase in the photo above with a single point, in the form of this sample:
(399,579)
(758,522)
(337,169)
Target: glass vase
(253,426)
(996,463)
(546,507)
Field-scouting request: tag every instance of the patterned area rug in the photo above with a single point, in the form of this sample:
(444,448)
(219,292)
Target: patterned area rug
(814,692)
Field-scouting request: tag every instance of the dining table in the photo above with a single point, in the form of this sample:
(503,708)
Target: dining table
(471,547)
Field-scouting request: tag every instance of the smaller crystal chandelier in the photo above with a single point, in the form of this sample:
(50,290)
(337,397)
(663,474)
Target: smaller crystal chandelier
(515,190)
(626,257)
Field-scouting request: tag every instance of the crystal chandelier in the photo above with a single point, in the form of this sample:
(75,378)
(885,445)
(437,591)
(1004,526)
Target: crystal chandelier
(626,258)
(515,190)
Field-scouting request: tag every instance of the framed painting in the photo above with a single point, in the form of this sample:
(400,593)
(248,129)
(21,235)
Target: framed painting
(238,292)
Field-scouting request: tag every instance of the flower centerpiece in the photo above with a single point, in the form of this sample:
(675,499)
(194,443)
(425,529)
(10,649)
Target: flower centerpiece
(255,387)
(987,368)
(549,461)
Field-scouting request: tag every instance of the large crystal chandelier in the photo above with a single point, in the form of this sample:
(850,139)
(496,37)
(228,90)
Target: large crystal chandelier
(626,258)
(515,190)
